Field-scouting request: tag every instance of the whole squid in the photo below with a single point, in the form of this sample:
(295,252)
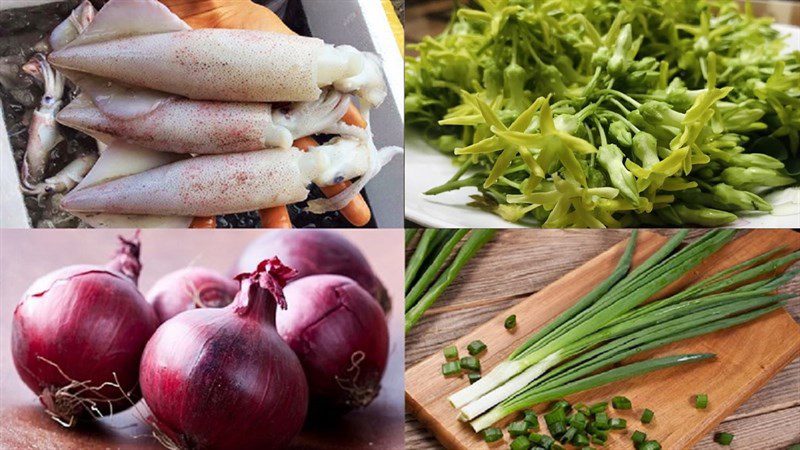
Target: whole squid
(227,183)
(72,26)
(181,125)
(141,43)
(44,132)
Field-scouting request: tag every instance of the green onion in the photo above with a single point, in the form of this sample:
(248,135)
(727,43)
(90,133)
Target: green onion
(492,434)
(547,441)
(601,421)
(535,438)
(451,368)
(518,428)
(578,421)
(580,440)
(568,435)
(618,423)
(510,322)
(647,416)
(621,402)
(701,401)
(473,377)
(723,438)
(470,363)
(520,443)
(599,439)
(476,240)
(450,352)
(598,407)
(555,447)
(650,445)
(429,276)
(410,233)
(476,347)
(424,247)
(531,418)
(638,438)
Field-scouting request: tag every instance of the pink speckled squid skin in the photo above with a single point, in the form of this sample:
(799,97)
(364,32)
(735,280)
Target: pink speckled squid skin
(339,333)
(201,186)
(110,323)
(183,126)
(205,64)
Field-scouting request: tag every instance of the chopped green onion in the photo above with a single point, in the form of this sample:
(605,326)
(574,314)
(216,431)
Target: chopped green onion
(580,440)
(618,423)
(638,438)
(647,416)
(531,418)
(450,352)
(492,434)
(473,377)
(518,428)
(568,435)
(511,322)
(601,421)
(598,407)
(556,447)
(547,441)
(578,421)
(475,347)
(599,439)
(723,438)
(621,402)
(701,401)
(451,368)
(650,445)
(563,405)
(536,438)
(520,443)
(470,363)
(557,429)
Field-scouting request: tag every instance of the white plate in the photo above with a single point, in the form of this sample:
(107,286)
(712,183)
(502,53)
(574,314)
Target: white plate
(427,168)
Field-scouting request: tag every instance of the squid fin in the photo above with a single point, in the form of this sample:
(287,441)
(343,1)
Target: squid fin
(117,99)
(126,18)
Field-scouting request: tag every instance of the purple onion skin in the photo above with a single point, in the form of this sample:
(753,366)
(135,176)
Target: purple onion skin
(339,333)
(190,288)
(93,323)
(223,378)
(315,252)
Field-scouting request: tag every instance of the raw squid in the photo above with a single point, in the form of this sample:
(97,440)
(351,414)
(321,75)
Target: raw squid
(69,29)
(228,183)
(66,178)
(206,127)
(141,43)
(43,133)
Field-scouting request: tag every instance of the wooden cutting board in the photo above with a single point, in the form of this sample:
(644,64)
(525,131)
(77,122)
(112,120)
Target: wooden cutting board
(747,356)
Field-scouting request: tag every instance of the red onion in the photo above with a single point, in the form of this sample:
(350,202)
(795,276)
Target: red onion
(189,288)
(339,333)
(78,335)
(223,378)
(315,252)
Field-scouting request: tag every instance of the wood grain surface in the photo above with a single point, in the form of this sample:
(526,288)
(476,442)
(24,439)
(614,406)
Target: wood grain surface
(27,254)
(520,263)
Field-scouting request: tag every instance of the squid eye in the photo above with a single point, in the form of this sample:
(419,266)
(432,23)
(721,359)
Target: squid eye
(338,179)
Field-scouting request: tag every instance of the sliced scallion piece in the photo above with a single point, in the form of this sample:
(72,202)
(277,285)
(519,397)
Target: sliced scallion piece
(650,445)
(492,434)
(638,438)
(510,322)
(518,428)
(647,416)
(476,347)
(701,401)
(451,368)
(473,377)
(471,363)
(450,352)
(520,443)
(618,423)
(723,438)
(620,402)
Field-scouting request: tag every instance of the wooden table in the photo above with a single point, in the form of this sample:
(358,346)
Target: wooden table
(521,262)
(28,254)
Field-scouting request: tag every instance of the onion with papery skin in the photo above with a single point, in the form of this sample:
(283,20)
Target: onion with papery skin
(315,252)
(190,288)
(78,335)
(219,378)
(339,333)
